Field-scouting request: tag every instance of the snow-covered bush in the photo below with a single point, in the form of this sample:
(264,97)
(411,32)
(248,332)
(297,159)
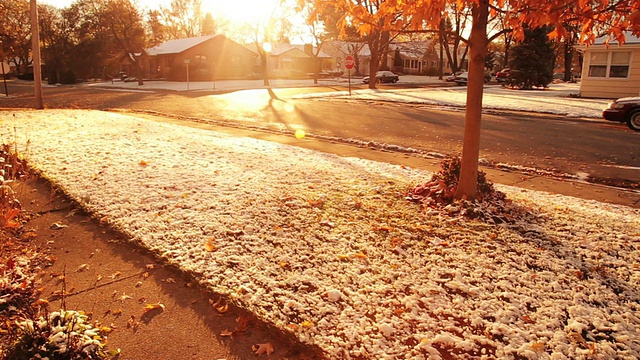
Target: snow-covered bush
(60,335)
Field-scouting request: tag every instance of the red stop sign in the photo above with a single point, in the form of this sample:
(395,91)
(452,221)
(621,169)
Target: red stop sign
(349,62)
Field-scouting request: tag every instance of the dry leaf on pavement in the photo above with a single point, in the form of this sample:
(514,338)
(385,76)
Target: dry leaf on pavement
(83,267)
(56,226)
(260,349)
(156,306)
(223,308)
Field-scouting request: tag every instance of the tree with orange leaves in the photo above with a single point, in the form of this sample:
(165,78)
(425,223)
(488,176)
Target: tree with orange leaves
(377,21)
(592,17)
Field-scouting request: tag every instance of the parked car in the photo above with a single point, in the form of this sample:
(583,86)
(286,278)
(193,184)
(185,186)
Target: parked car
(452,76)
(462,78)
(624,110)
(503,75)
(383,77)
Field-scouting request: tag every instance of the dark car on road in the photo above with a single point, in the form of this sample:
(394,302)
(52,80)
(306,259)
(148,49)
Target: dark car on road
(383,77)
(624,110)
(503,75)
(462,79)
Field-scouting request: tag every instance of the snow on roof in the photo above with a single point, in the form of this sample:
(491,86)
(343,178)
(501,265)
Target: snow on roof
(413,49)
(629,39)
(280,49)
(347,47)
(178,45)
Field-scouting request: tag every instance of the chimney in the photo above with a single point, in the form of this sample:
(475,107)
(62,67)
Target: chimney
(308,49)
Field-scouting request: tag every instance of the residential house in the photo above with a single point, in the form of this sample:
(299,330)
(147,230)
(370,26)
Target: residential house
(295,61)
(413,57)
(206,57)
(416,57)
(611,71)
(338,50)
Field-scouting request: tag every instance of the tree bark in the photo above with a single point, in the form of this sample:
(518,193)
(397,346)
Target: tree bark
(568,56)
(468,184)
(140,70)
(374,59)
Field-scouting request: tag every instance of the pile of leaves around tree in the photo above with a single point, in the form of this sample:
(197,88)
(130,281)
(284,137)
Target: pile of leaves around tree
(490,205)
(27,329)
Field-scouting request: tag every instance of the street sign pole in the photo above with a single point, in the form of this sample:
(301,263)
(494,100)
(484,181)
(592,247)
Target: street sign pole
(349,63)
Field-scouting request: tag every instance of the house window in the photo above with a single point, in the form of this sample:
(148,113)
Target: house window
(609,64)
(620,64)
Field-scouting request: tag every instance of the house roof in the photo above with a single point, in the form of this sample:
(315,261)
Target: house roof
(345,48)
(178,45)
(413,49)
(629,39)
(280,49)
(294,50)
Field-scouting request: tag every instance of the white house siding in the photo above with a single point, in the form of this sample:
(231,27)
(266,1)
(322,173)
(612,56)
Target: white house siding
(611,87)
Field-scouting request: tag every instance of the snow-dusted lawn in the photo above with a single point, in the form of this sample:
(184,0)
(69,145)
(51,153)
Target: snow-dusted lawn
(327,247)
(554,100)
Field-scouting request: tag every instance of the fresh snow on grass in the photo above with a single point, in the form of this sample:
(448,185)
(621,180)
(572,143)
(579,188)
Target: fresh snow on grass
(554,100)
(328,248)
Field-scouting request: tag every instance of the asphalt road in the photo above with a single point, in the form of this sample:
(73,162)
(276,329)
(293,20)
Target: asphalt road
(599,151)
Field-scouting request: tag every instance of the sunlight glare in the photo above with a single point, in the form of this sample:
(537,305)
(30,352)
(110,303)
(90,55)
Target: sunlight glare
(241,11)
(300,134)
(289,107)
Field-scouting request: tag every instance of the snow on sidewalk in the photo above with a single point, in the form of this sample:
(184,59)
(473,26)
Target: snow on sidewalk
(554,100)
(328,248)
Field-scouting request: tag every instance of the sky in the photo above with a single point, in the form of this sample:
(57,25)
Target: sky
(236,10)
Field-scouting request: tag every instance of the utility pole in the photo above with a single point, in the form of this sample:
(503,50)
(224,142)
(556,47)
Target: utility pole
(35,44)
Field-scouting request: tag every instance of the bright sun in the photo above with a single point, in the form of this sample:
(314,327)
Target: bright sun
(239,11)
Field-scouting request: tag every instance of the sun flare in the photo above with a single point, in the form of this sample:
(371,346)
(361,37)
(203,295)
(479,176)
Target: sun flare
(241,11)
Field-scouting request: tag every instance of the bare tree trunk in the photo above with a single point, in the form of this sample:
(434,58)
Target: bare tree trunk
(468,185)
(507,49)
(374,60)
(568,56)
(384,50)
(316,68)
(441,41)
(140,71)
(265,69)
